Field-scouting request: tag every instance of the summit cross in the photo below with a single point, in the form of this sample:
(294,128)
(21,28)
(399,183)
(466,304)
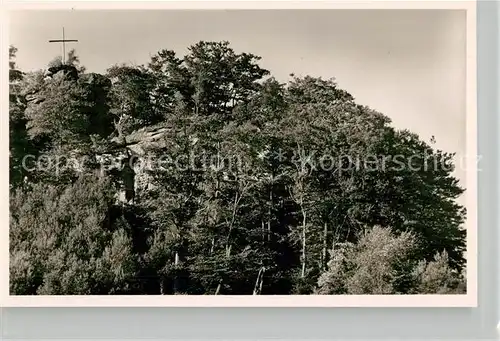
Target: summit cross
(63,41)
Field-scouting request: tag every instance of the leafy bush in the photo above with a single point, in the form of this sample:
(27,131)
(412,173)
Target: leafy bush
(383,263)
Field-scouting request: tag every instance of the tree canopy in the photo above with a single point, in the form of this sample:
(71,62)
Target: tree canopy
(202,174)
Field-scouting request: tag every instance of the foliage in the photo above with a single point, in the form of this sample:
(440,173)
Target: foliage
(436,277)
(64,241)
(384,263)
(264,187)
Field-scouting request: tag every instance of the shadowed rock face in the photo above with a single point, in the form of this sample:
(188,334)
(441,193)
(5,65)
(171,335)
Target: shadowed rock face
(69,70)
(127,150)
(96,80)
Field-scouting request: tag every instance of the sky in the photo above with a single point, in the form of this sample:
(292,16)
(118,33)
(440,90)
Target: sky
(409,65)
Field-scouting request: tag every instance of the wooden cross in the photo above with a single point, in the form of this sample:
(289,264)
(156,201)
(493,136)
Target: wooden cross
(63,41)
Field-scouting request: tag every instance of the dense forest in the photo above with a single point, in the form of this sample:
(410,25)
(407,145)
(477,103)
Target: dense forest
(204,175)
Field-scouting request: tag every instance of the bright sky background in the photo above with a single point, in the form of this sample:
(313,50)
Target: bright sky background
(409,65)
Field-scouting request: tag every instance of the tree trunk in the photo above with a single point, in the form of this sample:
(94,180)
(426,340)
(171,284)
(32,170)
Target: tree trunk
(128,177)
(304,220)
(231,224)
(218,288)
(269,212)
(262,280)
(212,248)
(263,231)
(176,279)
(216,196)
(259,281)
(324,254)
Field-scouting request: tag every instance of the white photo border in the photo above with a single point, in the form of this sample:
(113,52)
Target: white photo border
(470,299)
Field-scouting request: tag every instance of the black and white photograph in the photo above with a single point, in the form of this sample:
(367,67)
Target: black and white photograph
(240,152)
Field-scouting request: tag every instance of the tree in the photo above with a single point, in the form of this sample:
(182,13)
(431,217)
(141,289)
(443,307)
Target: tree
(69,110)
(171,205)
(221,78)
(383,262)
(19,143)
(131,102)
(437,277)
(202,175)
(66,241)
(14,73)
